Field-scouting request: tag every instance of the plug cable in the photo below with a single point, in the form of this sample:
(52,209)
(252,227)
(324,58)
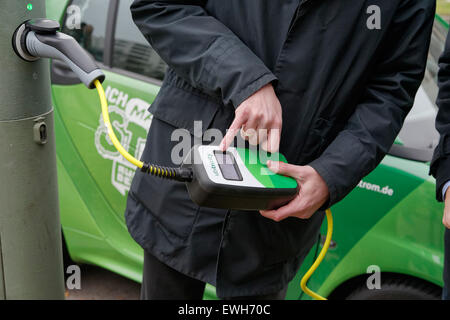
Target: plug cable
(319,259)
(178,174)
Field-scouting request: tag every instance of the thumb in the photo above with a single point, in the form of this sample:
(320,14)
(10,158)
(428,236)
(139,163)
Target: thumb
(283,168)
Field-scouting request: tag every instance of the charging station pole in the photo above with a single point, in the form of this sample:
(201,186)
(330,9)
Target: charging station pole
(30,232)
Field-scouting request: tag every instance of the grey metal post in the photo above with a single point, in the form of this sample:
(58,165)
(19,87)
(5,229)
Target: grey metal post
(30,231)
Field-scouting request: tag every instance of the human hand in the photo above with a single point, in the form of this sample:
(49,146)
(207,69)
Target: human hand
(446,218)
(259,118)
(312,195)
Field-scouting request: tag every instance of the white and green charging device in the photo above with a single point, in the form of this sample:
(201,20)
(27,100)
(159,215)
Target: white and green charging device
(236,179)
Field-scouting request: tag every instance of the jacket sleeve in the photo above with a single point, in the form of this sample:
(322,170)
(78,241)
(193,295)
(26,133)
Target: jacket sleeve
(385,102)
(203,51)
(440,165)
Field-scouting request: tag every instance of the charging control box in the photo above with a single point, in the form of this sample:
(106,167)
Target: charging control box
(237,179)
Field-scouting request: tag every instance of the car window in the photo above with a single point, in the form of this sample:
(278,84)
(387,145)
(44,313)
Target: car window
(132,52)
(86,22)
(418,131)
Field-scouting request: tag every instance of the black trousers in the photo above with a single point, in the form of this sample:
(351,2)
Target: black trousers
(160,282)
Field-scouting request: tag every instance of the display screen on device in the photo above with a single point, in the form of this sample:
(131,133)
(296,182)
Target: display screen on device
(228,166)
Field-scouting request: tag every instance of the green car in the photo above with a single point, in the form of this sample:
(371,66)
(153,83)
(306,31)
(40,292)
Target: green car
(390,223)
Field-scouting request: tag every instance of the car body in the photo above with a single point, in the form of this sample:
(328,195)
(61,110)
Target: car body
(389,223)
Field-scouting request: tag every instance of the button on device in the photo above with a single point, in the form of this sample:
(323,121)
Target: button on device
(228,166)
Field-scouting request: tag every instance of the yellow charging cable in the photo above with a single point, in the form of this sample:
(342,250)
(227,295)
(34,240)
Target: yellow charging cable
(112,135)
(319,259)
(176,174)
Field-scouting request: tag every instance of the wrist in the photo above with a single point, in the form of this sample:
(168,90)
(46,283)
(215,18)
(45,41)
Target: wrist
(252,88)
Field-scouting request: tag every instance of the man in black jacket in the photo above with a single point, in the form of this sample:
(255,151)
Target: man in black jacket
(440,165)
(330,81)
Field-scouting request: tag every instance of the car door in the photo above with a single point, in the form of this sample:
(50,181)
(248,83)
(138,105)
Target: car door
(94,177)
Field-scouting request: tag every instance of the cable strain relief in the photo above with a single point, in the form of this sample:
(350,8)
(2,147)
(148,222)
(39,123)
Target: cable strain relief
(184,174)
(177,174)
(145,168)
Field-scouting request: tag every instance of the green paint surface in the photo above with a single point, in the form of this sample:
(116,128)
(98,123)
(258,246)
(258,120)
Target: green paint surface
(256,163)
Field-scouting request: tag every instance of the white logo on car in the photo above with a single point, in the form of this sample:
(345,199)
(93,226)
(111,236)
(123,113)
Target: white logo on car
(131,121)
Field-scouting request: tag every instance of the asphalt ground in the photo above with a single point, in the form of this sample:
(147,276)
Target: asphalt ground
(100,284)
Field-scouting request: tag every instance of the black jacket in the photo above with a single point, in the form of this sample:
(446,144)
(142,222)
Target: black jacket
(440,165)
(345,90)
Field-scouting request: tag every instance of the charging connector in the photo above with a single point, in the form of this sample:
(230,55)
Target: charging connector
(39,38)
